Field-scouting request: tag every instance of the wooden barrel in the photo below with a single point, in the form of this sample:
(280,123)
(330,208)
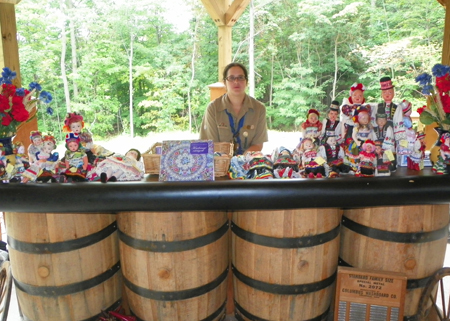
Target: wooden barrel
(65,266)
(406,239)
(285,263)
(175,264)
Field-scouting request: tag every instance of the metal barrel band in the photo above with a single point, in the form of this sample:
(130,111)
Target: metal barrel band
(176,295)
(413,237)
(60,247)
(252,317)
(211,317)
(285,243)
(285,289)
(175,246)
(411,284)
(114,306)
(54,291)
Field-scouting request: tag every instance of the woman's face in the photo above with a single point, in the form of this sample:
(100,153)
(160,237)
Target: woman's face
(76,127)
(235,81)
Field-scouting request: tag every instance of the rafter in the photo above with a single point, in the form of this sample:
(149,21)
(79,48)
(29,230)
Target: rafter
(235,11)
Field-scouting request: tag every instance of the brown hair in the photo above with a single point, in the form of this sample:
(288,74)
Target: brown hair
(235,64)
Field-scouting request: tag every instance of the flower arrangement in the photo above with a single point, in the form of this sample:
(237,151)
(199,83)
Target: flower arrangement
(438,96)
(17,103)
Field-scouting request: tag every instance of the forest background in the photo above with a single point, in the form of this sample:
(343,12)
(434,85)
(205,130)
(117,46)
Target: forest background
(131,69)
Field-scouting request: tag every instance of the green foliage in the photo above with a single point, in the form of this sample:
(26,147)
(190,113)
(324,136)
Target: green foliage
(307,53)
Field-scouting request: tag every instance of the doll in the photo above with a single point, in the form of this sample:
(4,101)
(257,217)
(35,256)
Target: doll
(331,125)
(285,166)
(35,146)
(382,162)
(259,166)
(367,160)
(443,161)
(407,148)
(76,160)
(394,114)
(309,155)
(45,166)
(415,159)
(363,129)
(384,133)
(74,123)
(312,127)
(361,132)
(114,168)
(333,153)
(348,108)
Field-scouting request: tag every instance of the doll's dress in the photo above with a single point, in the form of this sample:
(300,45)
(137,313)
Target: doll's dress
(75,160)
(367,164)
(122,167)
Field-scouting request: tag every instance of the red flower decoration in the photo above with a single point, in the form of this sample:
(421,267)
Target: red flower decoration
(443,83)
(445,100)
(6,120)
(421,109)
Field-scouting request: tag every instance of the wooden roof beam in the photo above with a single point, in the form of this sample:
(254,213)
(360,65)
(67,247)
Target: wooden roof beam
(224,12)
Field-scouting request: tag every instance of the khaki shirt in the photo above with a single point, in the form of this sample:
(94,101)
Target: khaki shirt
(216,124)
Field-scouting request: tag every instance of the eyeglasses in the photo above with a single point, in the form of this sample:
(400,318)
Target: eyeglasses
(233,79)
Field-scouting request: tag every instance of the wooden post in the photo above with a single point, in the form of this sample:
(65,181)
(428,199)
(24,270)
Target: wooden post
(10,58)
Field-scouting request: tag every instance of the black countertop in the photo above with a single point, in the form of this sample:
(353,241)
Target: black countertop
(404,188)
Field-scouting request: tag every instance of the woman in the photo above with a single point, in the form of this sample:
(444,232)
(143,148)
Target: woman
(236,117)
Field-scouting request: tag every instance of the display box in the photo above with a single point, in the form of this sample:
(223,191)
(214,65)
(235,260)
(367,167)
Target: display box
(364,295)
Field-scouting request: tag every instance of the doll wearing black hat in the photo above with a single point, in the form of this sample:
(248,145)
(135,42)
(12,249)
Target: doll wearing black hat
(331,125)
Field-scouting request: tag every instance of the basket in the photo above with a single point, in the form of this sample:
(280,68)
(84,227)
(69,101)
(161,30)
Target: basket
(152,159)
(224,148)
(221,165)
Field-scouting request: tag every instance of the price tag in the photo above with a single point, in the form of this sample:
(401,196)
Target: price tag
(389,155)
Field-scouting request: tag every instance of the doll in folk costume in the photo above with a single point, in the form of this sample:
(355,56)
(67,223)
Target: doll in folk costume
(310,165)
(394,114)
(333,153)
(348,109)
(367,160)
(362,132)
(441,166)
(382,161)
(75,159)
(35,146)
(45,167)
(331,126)
(114,168)
(74,123)
(407,146)
(312,127)
(284,166)
(417,156)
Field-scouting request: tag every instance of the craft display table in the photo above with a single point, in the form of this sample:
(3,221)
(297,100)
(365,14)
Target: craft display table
(142,206)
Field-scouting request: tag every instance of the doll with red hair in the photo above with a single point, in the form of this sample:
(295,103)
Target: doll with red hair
(312,127)
(74,123)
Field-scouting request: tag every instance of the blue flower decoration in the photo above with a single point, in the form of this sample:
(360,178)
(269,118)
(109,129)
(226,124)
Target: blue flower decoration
(34,85)
(7,76)
(440,70)
(45,97)
(20,92)
(50,111)
(426,90)
(424,79)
